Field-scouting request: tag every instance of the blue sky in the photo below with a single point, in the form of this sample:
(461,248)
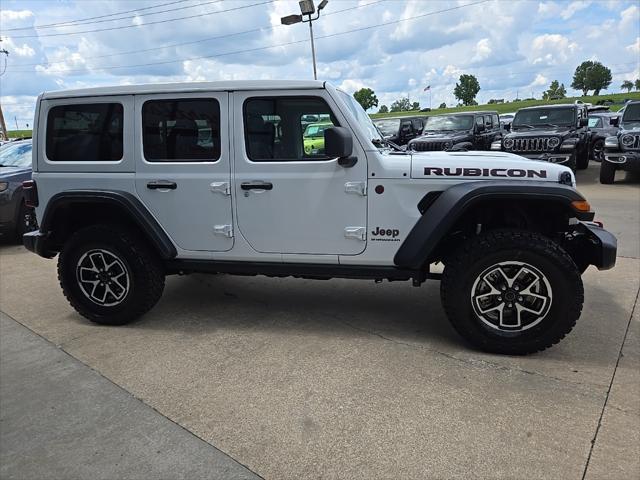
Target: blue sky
(513,47)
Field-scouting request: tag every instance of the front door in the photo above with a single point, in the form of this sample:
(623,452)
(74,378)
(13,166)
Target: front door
(291,198)
(183,173)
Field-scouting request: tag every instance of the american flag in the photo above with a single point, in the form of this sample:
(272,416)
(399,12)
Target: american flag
(428,87)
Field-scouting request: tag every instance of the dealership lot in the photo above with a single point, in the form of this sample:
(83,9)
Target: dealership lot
(335,379)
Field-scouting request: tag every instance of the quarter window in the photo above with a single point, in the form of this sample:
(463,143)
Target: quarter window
(185,130)
(90,132)
(286,128)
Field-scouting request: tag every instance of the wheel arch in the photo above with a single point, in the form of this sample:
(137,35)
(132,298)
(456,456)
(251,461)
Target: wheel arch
(68,211)
(445,213)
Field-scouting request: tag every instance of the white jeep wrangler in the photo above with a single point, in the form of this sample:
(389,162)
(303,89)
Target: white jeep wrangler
(133,183)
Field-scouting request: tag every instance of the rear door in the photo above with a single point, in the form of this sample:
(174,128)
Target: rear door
(183,172)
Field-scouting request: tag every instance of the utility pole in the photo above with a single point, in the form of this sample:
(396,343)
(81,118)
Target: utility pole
(3,126)
(15,119)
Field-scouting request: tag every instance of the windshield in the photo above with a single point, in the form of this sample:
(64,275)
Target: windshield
(449,122)
(388,127)
(15,155)
(361,116)
(631,113)
(544,117)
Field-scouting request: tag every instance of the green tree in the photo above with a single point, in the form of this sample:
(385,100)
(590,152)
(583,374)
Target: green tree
(415,106)
(467,89)
(590,75)
(366,97)
(443,105)
(556,90)
(401,105)
(637,84)
(627,85)
(383,109)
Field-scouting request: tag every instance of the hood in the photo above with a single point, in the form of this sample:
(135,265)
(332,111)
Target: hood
(15,174)
(448,135)
(483,166)
(634,130)
(539,132)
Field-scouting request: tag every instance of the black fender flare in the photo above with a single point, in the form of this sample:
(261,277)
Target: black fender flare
(443,212)
(125,201)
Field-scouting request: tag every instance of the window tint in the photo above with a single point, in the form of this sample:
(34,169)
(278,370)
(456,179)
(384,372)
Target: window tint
(286,128)
(487,121)
(417,124)
(183,130)
(495,119)
(85,132)
(479,120)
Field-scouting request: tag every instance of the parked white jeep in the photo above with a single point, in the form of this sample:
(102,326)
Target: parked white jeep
(133,183)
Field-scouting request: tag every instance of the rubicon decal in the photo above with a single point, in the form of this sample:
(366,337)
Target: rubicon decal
(485,172)
(381,234)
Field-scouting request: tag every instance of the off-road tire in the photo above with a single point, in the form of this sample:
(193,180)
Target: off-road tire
(582,159)
(607,173)
(477,256)
(144,273)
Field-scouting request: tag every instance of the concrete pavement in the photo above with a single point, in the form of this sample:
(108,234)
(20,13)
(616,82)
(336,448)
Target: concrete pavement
(350,379)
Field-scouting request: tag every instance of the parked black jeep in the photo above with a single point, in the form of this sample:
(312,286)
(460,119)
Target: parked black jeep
(553,133)
(400,130)
(622,151)
(468,131)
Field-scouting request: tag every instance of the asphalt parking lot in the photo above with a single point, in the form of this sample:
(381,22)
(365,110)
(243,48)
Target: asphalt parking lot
(243,377)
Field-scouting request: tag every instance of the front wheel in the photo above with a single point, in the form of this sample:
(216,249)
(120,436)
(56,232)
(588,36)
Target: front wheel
(109,275)
(597,150)
(607,172)
(512,292)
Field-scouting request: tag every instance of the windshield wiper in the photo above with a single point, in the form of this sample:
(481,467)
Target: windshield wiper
(382,142)
(523,125)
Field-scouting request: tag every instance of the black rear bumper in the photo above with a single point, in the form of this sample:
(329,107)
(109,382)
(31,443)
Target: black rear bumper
(37,242)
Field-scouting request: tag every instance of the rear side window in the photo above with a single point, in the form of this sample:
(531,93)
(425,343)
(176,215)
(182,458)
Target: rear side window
(495,119)
(286,128)
(186,130)
(487,121)
(89,132)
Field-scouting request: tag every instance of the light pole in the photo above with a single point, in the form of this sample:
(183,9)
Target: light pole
(307,8)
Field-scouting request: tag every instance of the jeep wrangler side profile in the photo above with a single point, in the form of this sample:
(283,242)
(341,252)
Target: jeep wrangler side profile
(462,131)
(551,133)
(134,183)
(622,151)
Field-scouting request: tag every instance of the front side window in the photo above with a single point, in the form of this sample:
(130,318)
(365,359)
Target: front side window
(286,128)
(595,122)
(85,132)
(184,130)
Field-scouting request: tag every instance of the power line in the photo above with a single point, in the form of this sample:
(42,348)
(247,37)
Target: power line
(182,44)
(81,21)
(148,23)
(384,24)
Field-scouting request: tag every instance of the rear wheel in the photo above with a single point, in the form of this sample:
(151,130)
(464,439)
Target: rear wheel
(597,150)
(512,292)
(607,172)
(109,275)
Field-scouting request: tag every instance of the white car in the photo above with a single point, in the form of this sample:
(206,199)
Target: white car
(133,183)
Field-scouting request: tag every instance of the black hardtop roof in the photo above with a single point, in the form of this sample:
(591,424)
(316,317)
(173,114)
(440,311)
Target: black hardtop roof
(555,105)
(473,112)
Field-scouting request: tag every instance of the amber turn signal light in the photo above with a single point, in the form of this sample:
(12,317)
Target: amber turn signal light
(581,205)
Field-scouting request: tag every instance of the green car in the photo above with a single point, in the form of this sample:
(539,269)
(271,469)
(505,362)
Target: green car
(313,138)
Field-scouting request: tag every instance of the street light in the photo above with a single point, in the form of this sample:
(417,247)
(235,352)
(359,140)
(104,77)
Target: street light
(307,8)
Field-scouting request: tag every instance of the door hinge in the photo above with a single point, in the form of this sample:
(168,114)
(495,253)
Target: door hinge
(356,187)
(221,187)
(224,230)
(356,232)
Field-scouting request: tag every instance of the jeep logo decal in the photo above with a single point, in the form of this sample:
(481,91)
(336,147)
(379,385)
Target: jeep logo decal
(389,234)
(485,172)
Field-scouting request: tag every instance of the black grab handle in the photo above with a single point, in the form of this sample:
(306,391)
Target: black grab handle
(162,185)
(256,186)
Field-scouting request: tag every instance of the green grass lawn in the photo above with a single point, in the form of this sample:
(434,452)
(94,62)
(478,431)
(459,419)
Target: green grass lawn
(19,133)
(618,99)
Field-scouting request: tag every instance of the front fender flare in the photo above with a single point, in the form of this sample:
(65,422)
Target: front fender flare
(447,209)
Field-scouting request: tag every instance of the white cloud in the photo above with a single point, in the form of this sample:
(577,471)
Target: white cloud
(23,50)
(540,80)
(552,49)
(9,15)
(634,47)
(573,8)
(482,50)
(630,17)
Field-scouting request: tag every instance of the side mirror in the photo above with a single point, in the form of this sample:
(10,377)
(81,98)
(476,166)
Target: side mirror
(583,122)
(338,142)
